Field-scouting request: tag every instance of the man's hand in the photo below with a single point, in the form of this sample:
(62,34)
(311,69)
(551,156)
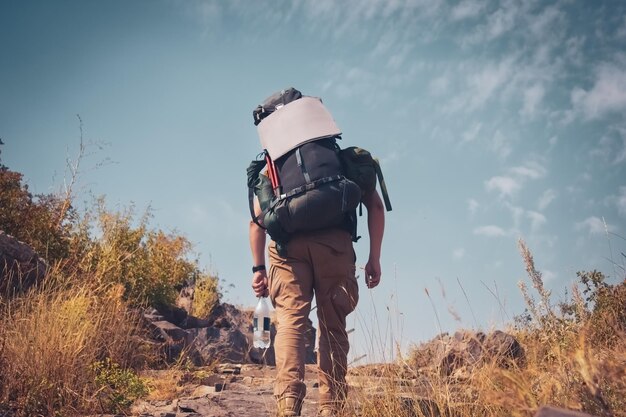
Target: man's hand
(259,284)
(372,272)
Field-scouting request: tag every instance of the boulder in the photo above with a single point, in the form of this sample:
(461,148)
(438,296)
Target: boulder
(458,354)
(20,266)
(465,350)
(174,340)
(225,336)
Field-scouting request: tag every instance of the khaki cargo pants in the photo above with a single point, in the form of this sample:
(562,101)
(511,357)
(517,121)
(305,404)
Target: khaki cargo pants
(320,263)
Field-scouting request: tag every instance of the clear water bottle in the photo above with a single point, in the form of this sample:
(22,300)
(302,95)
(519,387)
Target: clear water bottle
(261,323)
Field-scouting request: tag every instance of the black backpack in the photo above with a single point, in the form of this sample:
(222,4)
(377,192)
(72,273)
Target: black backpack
(308,188)
(302,191)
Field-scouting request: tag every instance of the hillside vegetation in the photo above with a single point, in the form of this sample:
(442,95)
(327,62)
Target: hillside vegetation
(71,344)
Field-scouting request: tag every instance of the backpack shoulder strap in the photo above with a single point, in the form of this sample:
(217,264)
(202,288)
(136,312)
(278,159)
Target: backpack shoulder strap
(255,218)
(253,171)
(383,186)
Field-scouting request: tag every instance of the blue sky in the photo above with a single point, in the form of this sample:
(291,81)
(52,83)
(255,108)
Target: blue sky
(494,120)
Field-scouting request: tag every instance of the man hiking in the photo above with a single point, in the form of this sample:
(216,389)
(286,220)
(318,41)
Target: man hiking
(303,200)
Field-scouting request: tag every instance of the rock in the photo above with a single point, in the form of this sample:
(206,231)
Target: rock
(456,356)
(175,315)
(185,296)
(228,368)
(224,345)
(20,266)
(174,339)
(193,322)
(546,411)
(504,348)
(212,380)
(197,407)
(169,331)
(465,349)
(204,390)
(225,336)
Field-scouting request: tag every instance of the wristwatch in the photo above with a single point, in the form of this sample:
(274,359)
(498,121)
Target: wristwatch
(258,268)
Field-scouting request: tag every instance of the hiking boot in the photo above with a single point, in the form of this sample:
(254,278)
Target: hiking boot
(327,412)
(289,407)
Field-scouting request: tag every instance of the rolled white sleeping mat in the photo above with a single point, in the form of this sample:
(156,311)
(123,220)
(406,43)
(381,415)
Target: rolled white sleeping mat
(303,120)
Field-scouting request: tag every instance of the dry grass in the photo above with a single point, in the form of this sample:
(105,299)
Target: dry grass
(575,358)
(50,340)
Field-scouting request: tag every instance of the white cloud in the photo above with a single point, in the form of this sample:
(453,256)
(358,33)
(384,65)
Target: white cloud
(545,23)
(439,85)
(472,133)
(607,96)
(458,253)
(612,146)
(517,213)
(485,83)
(594,226)
(537,220)
(490,231)
(532,99)
(498,23)
(574,50)
(506,186)
(501,145)
(546,198)
(467,9)
(472,206)
(548,276)
(553,141)
(479,82)
(531,169)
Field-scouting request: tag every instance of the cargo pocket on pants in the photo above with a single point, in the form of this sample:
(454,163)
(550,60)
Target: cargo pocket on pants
(345,296)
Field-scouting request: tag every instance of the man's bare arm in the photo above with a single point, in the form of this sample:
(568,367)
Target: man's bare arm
(376,229)
(257,246)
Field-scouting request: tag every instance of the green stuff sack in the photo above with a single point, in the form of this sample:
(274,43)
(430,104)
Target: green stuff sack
(359,166)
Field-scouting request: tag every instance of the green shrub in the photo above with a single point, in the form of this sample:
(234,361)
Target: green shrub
(150,265)
(43,221)
(117,387)
(206,296)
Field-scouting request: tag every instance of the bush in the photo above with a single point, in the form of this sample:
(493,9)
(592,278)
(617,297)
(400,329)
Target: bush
(206,296)
(44,221)
(150,265)
(117,387)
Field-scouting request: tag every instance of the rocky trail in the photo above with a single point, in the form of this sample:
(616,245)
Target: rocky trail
(232,391)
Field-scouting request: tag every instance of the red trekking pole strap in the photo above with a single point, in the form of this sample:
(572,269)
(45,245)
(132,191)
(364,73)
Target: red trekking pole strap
(271,172)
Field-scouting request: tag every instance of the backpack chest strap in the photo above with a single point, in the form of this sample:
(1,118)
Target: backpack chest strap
(307,187)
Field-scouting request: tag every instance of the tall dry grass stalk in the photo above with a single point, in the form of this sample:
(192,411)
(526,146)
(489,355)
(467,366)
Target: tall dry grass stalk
(50,340)
(575,357)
